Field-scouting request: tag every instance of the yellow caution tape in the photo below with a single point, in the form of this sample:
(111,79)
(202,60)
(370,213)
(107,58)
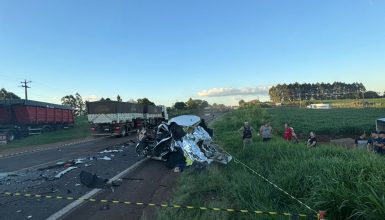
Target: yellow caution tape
(203,208)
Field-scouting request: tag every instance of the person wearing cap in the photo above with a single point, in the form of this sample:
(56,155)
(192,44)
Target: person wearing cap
(361,142)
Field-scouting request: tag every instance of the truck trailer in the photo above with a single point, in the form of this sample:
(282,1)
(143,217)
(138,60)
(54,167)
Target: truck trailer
(20,117)
(119,118)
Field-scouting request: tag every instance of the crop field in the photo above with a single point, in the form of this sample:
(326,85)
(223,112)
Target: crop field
(332,122)
(348,184)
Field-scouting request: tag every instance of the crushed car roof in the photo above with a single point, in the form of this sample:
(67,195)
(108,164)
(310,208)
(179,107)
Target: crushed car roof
(186,120)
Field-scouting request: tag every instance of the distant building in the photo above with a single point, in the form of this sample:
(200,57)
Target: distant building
(319,106)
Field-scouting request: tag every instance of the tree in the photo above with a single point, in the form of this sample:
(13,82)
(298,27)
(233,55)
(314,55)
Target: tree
(80,105)
(76,102)
(204,104)
(119,99)
(180,105)
(241,103)
(371,95)
(5,95)
(145,101)
(318,91)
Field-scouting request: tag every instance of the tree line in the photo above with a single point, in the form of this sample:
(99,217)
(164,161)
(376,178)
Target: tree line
(319,91)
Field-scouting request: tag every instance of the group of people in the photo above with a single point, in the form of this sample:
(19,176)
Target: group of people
(265,131)
(375,143)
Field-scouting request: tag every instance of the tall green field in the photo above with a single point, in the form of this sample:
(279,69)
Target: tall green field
(348,184)
(332,122)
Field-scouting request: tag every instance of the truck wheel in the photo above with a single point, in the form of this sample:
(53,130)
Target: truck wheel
(10,136)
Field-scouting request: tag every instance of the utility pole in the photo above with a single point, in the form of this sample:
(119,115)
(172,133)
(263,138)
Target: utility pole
(25,85)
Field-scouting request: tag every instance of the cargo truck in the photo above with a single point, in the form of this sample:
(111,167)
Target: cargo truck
(119,118)
(20,118)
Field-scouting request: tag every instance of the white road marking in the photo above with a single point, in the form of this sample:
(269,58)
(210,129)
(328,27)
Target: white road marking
(76,204)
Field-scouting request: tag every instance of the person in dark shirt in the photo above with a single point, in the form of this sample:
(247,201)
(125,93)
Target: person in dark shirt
(373,138)
(247,134)
(379,145)
(312,141)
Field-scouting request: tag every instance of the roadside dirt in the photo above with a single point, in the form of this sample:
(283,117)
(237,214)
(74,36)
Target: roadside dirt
(151,183)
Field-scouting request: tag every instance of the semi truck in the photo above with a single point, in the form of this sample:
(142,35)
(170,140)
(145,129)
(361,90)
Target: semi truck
(117,118)
(20,118)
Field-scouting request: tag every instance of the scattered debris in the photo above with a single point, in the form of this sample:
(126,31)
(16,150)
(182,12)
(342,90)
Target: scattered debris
(87,165)
(30,216)
(91,180)
(78,184)
(79,161)
(110,151)
(18,211)
(105,158)
(65,171)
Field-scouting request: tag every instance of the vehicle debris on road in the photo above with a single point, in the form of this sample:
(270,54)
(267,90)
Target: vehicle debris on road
(184,133)
(65,171)
(91,180)
(105,158)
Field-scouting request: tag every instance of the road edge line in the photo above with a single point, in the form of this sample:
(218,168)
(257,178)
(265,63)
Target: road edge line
(76,204)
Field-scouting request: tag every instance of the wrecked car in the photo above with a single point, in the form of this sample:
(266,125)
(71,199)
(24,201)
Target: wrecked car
(181,134)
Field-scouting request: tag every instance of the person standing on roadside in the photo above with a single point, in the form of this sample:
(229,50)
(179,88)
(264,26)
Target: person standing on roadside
(289,134)
(247,134)
(265,131)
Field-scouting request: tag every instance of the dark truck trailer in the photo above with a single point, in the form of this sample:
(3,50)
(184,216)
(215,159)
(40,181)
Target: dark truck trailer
(21,117)
(119,118)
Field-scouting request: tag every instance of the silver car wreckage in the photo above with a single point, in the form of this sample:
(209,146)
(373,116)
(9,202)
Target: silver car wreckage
(186,136)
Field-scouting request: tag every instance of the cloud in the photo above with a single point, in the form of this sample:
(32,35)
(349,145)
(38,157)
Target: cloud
(229,91)
(91,98)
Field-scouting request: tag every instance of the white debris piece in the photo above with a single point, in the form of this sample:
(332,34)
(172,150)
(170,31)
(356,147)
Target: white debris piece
(79,161)
(65,171)
(105,158)
(110,151)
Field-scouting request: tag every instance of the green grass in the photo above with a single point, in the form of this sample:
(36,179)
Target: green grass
(345,183)
(332,122)
(343,103)
(80,130)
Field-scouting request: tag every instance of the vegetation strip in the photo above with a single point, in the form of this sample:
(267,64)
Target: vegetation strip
(271,183)
(257,212)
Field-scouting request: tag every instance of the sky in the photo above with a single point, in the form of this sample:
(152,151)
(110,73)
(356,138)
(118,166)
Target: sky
(218,50)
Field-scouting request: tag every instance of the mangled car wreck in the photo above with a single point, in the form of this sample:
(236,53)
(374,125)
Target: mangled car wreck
(184,140)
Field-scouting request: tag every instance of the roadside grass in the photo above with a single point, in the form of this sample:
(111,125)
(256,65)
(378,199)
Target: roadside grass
(348,184)
(331,122)
(80,130)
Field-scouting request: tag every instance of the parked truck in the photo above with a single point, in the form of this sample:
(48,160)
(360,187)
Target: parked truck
(119,118)
(20,118)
